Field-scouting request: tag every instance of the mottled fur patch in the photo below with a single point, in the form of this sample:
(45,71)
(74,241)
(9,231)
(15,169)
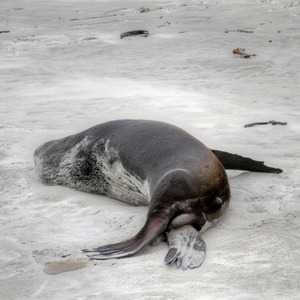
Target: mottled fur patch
(95,168)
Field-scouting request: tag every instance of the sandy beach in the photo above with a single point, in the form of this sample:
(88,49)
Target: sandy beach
(64,68)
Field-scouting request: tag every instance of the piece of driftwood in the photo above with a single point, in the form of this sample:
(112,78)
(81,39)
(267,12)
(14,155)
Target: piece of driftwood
(239,30)
(265,123)
(143,33)
(144,10)
(4,31)
(242,53)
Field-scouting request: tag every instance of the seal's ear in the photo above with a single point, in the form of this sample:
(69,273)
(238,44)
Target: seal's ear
(153,227)
(238,162)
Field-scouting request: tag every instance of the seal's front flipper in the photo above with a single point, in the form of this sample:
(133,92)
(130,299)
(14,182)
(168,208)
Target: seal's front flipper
(148,233)
(187,248)
(238,162)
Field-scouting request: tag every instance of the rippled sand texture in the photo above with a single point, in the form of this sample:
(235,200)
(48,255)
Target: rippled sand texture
(64,68)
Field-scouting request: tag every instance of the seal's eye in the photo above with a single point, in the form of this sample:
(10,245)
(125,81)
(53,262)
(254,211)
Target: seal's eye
(215,203)
(218,200)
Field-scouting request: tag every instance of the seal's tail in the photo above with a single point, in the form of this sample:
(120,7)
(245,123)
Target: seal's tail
(148,233)
(238,162)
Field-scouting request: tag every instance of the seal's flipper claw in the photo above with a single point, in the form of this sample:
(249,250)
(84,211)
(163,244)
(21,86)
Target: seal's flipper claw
(171,255)
(89,250)
(147,234)
(187,248)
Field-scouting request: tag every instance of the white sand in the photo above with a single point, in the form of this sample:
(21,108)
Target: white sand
(64,68)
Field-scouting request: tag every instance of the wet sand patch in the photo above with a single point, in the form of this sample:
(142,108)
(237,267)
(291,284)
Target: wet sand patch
(54,268)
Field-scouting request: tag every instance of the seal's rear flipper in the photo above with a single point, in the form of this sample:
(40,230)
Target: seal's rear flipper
(187,247)
(238,162)
(148,233)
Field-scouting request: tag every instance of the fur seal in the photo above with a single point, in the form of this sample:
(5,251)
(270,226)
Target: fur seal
(152,163)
